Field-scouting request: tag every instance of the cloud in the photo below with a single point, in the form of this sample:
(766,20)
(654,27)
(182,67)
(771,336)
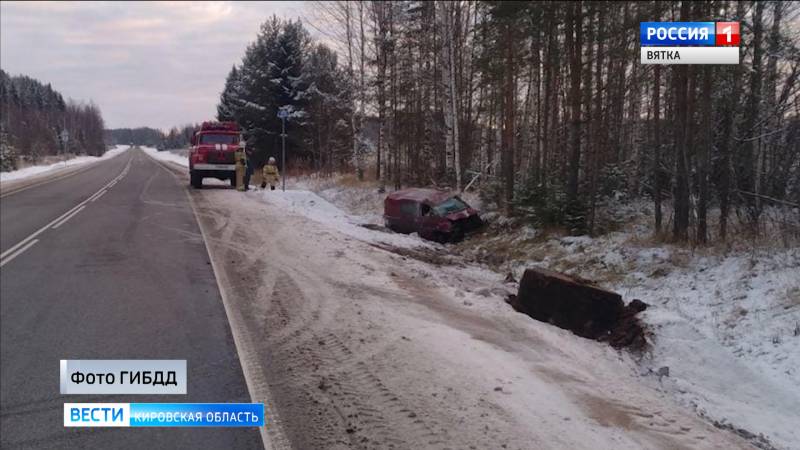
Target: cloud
(154,64)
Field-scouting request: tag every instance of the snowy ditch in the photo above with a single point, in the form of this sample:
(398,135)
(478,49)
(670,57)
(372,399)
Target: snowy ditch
(725,328)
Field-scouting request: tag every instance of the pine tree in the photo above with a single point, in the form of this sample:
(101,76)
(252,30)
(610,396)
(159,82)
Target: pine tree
(271,77)
(230,99)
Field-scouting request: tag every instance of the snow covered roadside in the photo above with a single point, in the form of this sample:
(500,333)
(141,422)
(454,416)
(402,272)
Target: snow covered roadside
(167,156)
(726,325)
(360,199)
(373,349)
(314,207)
(31,171)
(729,329)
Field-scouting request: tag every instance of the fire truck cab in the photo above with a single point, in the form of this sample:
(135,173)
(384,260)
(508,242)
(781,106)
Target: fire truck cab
(213,152)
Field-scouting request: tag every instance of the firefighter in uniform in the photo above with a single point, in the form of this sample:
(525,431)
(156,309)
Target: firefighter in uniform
(241,166)
(270,175)
(244,166)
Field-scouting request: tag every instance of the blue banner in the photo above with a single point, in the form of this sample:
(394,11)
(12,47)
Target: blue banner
(676,34)
(196,414)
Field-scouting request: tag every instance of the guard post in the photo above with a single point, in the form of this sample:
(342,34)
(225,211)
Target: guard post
(283,113)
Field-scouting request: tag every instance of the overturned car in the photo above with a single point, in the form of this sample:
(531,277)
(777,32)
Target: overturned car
(435,215)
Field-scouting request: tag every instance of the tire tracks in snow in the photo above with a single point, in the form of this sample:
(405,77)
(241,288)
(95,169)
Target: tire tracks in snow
(325,387)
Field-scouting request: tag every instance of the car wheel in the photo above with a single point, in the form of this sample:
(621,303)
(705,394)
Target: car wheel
(233,182)
(440,237)
(196,180)
(457,234)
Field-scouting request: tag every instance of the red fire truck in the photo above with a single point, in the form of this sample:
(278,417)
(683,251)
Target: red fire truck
(213,152)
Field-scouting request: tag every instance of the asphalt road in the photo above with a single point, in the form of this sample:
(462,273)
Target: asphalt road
(123,276)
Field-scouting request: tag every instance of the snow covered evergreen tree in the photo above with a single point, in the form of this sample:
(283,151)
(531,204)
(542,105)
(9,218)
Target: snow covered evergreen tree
(277,72)
(229,100)
(329,109)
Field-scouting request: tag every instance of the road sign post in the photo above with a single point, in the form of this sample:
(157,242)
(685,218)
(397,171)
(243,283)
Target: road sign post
(283,114)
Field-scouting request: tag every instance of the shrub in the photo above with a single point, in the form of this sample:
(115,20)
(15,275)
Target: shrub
(8,154)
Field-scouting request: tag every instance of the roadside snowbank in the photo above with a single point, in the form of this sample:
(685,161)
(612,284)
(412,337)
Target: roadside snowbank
(79,160)
(314,207)
(361,198)
(167,156)
(726,325)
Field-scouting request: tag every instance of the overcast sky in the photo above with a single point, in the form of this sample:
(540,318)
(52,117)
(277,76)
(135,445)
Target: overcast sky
(153,64)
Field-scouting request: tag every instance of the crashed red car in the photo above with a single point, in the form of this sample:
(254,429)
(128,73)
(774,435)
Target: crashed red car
(435,215)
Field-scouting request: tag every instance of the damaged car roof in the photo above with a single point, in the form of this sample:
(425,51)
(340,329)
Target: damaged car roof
(420,195)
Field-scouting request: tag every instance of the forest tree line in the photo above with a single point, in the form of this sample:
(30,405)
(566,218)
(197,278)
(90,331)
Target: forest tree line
(543,106)
(145,136)
(175,138)
(33,116)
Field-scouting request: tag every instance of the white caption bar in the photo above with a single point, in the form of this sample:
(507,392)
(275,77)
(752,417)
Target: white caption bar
(690,55)
(123,376)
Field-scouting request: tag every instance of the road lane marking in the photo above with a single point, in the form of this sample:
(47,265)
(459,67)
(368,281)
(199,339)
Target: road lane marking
(100,195)
(24,241)
(62,216)
(65,219)
(18,252)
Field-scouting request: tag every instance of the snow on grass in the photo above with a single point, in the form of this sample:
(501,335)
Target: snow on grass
(79,160)
(360,198)
(726,325)
(727,328)
(314,207)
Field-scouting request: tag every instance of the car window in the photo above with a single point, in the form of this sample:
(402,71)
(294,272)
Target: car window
(451,205)
(219,139)
(408,209)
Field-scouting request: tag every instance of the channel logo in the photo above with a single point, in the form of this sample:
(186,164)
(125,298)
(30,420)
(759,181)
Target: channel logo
(689,42)
(97,414)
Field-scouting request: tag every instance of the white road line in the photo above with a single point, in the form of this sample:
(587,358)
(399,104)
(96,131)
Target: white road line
(93,196)
(24,241)
(100,195)
(18,252)
(54,221)
(65,219)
